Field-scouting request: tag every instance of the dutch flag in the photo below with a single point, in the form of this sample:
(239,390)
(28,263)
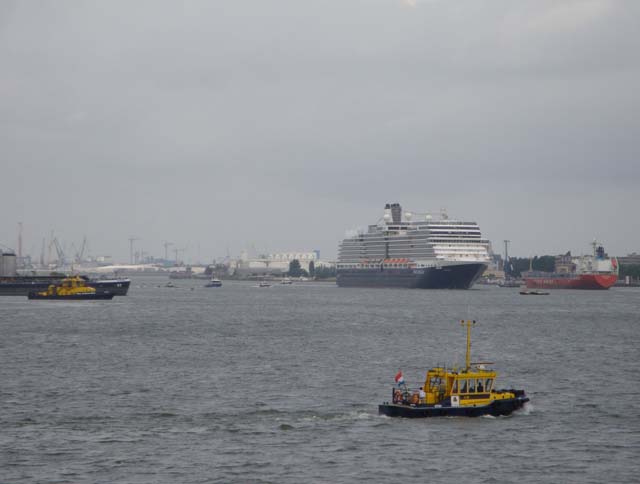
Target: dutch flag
(399,378)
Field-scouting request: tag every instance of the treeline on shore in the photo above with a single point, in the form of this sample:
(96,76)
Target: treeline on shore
(632,271)
(321,272)
(546,263)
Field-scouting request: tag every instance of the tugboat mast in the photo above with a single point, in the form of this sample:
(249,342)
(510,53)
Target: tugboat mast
(468,356)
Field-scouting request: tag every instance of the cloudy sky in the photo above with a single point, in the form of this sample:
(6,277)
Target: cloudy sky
(281,124)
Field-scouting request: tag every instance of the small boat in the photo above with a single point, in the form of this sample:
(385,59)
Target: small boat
(447,392)
(509,283)
(286,281)
(264,284)
(214,283)
(170,284)
(70,288)
(534,293)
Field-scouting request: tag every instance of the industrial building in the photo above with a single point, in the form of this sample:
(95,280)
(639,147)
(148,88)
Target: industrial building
(8,264)
(274,264)
(632,259)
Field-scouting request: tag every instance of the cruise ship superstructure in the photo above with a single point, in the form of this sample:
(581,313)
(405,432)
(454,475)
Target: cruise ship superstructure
(414,251)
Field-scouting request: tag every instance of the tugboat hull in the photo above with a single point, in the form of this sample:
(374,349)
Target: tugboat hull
(72,297)
(495,408)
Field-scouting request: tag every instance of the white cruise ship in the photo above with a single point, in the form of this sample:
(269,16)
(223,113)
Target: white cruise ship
(415,251)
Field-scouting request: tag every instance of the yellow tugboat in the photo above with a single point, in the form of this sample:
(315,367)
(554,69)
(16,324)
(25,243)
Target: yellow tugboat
(70,288)
(467,392)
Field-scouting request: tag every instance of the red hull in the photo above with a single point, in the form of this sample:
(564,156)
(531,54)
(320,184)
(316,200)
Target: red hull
(577,281)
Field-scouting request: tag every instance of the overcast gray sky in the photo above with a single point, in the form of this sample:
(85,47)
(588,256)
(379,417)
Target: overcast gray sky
(282,124)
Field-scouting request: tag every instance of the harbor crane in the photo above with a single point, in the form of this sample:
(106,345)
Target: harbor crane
(80,253)
(59,251)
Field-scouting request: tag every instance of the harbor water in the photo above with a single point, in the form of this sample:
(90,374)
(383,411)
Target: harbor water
(281,385)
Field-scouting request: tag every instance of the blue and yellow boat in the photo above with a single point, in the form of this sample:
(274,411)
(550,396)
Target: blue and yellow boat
(70,288)
(467,392)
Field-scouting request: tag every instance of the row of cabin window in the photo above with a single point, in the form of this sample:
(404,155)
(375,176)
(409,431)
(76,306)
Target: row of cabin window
(472,385)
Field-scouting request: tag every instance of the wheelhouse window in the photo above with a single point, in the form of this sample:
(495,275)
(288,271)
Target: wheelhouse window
(455,387)
(472,385)
(479,386)
(463,386)
(488,384)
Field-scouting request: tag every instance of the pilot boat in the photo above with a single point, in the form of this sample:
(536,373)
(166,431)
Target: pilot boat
(466,392)
(70,288)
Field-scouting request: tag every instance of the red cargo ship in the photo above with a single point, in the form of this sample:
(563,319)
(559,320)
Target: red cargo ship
(595,271)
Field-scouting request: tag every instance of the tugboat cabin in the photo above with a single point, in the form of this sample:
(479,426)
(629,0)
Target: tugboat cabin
(465,387)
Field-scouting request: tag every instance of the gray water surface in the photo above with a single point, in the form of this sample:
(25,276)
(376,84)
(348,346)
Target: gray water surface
(281,385)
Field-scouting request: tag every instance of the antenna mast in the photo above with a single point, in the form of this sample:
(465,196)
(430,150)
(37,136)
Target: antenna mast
(468,355)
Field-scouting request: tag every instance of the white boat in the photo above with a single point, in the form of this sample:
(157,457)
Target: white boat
(286,281)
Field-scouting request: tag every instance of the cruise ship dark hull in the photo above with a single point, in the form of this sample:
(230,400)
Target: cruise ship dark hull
(22,286)
(458,276)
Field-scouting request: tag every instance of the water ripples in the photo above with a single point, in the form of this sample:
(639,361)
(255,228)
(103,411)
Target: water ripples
(282,385)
